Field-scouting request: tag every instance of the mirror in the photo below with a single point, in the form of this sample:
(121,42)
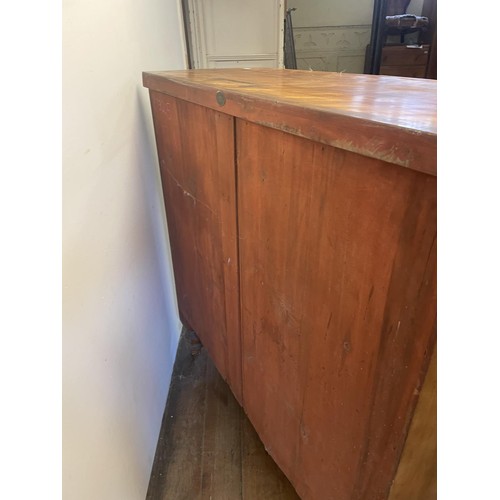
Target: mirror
(390,37)
(331,35)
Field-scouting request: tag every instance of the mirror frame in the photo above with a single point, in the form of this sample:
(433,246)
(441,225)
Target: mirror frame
(377,37)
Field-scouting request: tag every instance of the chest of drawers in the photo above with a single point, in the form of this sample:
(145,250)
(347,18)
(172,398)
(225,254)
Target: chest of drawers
(402,60)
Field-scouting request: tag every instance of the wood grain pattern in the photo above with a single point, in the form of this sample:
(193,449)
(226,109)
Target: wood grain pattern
(207,447)
(177,467)
(221,461)
(387,118)
(196,155)
(416,478)
(337,271)
(308,268)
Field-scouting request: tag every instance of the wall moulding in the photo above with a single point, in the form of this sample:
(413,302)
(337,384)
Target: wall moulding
(332,48)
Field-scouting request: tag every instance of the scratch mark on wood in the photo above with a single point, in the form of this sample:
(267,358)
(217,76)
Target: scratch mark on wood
(397,331)
(368,301)
(188,194)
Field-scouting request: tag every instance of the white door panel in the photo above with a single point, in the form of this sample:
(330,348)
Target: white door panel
(236,33)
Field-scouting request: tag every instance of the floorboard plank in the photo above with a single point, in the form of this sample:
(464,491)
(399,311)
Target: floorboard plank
(208,449)
(177,468)
(262,478)
(222,443)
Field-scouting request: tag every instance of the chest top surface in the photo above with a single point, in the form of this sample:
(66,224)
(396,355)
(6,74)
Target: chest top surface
(385,117)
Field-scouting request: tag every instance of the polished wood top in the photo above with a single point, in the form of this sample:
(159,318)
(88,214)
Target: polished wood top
(385,117)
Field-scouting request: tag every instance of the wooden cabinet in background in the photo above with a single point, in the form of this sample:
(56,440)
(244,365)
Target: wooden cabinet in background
(302,217)
(403,60)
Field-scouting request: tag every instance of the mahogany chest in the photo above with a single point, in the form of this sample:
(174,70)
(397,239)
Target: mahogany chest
(301,209)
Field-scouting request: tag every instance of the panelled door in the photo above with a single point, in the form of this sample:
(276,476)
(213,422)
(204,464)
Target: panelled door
(196,154)
(337,281)
(235,33)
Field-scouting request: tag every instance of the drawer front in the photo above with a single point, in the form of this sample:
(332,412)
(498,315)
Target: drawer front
(410,71)
(402,55)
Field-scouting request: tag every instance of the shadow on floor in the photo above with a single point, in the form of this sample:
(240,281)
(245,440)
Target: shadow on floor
(207,447)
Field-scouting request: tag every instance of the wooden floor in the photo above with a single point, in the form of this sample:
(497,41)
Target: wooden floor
(207,447)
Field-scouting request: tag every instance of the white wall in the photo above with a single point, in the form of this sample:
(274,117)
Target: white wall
(120,325)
